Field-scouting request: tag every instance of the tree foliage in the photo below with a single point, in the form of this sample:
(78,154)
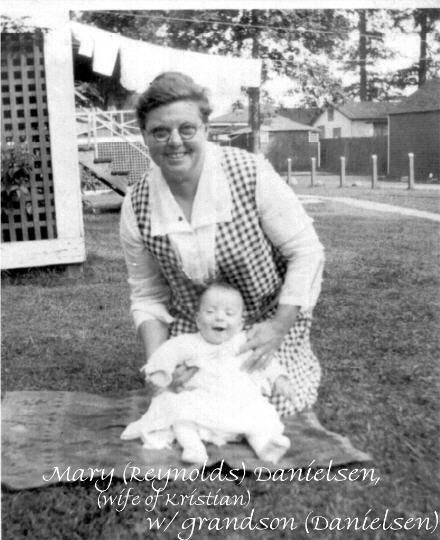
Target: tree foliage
(286,40)
(427,23)
(294,43)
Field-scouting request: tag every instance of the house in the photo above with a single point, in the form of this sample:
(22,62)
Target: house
(415,127)
(282,138)
(363,119)
(221,127)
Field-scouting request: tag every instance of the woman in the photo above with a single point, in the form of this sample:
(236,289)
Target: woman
(204,212)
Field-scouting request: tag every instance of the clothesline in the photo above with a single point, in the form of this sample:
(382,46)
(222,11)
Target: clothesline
(141,62)
(297,30)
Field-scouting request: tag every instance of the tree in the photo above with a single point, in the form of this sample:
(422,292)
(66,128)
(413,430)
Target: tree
(363,55)
(427,23)
(278,37)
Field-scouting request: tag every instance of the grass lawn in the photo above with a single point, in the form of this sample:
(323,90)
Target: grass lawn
(375,334)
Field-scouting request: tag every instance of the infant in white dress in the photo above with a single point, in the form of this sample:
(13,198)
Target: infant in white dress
(214,400)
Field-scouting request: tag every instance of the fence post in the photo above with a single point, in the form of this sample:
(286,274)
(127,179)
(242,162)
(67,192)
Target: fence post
(374,171)
(289,170)
(342,175)
(313,175)
(411,171)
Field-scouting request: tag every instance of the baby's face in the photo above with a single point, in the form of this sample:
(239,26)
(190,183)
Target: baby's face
(220,316)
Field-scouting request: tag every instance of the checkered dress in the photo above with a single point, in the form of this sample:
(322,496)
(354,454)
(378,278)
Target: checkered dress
(245,258)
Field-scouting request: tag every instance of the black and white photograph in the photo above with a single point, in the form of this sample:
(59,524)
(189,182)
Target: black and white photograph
(220,269)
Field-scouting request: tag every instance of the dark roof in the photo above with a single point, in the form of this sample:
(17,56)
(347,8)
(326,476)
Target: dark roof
(367,110)
(426,98)
(301,115)
(279,123)
(239,116)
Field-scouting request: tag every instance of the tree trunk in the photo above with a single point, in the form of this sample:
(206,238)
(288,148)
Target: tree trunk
(254,97)
(362,55)
(423,34)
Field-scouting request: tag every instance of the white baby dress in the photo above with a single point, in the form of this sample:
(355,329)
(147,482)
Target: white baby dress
(222,400)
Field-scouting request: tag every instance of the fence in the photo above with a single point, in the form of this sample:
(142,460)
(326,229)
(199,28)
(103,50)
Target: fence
(357,152)
(43,226)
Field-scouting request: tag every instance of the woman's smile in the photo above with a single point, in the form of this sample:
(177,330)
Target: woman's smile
(177,157)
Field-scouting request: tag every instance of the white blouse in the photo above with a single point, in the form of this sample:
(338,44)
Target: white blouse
(282,218)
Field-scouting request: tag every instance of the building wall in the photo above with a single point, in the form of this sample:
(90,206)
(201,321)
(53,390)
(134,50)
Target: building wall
(359,128)
(418,133)
(327,126)
(347,127)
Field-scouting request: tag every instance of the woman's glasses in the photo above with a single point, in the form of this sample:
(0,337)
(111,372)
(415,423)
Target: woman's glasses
(186,132)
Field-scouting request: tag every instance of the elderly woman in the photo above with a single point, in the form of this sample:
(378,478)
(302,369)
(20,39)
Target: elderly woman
(205,212)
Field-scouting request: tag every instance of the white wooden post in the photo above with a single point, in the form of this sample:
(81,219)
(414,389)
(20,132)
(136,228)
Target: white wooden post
(374,171)
(319,154)
(94,136)
(342,174)
(411,171)
(289,170)
(313,175)
(89,129)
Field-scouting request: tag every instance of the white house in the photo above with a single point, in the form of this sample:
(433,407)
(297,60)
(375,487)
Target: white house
(363,119)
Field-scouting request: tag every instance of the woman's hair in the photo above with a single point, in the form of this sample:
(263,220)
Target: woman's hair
(167,88)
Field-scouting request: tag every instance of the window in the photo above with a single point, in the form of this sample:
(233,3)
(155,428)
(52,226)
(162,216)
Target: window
(321,132)
(336,133)
(330,114)
(313,137)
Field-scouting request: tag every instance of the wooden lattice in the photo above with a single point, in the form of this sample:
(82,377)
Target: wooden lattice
(25,118)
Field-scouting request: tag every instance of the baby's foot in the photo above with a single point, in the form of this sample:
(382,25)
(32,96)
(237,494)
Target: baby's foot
(194,455)
(275,449)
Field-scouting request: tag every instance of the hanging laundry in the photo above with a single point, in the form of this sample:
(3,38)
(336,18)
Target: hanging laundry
(141,62)
(84,37)
(105,53)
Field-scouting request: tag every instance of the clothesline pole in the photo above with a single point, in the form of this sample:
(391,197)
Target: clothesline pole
(254,95)
(254,118)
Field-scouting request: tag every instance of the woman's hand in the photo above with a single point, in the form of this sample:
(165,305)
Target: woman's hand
(265,338)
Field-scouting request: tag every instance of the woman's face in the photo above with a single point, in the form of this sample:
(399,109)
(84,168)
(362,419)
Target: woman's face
(177,157)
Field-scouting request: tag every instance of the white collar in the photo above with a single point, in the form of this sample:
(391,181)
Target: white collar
(212,203)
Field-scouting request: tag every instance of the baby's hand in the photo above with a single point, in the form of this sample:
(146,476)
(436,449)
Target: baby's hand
(283,387)
(182,374)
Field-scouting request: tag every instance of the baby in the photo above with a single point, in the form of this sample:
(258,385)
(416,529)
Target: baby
(202,392)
